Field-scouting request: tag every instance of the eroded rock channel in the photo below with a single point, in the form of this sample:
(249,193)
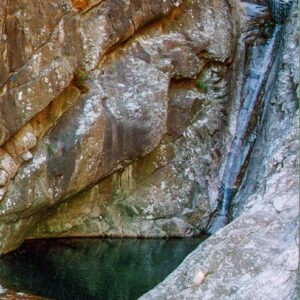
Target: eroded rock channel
(156,119)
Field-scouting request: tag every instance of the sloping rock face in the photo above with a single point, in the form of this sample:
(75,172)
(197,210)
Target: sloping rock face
(257,255)
(91,97)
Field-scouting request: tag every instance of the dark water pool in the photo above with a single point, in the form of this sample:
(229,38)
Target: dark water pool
(92,268)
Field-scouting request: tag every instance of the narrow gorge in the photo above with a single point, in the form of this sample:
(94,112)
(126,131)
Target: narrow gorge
(155,119)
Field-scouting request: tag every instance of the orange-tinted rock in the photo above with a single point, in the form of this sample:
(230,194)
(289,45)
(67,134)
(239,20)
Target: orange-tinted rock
(80,4)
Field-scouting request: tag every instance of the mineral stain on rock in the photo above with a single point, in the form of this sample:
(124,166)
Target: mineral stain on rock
(80,5)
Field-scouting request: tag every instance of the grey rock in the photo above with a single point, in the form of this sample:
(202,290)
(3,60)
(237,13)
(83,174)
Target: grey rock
(256,255)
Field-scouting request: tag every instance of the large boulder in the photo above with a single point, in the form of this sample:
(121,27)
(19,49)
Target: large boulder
(170,191)
(119,102)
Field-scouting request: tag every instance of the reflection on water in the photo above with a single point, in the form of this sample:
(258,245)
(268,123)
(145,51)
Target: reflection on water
(92,268)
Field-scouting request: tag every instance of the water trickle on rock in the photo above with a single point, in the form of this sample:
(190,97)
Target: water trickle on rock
(280,10)
(260,76)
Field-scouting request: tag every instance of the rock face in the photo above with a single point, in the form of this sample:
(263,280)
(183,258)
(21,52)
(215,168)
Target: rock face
(116,119)
(151,98)
(151,111)
(257,255)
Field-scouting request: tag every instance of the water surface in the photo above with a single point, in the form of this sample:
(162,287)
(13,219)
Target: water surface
(92,268)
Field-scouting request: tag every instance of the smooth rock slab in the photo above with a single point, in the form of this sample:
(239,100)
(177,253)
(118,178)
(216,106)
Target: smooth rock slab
(254,257)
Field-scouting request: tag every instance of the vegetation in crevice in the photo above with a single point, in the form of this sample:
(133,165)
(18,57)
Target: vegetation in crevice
(201,84)
(79,80)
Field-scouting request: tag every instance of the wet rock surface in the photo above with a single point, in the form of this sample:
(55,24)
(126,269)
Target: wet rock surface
(256,255)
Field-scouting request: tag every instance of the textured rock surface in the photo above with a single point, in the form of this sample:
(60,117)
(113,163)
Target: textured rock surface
(40,51)
(116,118)
(257,255)
(126,101)
(41,163)
(164,193)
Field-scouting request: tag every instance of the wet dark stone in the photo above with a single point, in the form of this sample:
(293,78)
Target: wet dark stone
(280,10)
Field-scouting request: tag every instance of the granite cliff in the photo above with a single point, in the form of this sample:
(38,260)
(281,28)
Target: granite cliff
(117,119)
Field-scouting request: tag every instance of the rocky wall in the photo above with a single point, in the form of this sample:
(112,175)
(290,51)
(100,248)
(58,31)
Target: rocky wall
(114,114)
